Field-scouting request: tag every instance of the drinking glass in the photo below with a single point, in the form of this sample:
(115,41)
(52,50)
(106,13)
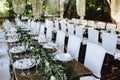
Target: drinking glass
(22,73)
(28,73)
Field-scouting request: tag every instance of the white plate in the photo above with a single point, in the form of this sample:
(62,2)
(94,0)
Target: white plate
(63,57)
(49,45)
(24,63)
(12,40)
(18,49)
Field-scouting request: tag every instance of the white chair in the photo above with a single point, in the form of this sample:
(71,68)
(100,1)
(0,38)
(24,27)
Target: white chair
(73,46)
(33,27)
(49,23)
(2,36)
(60,38)
(75,20)
(109,42)
(79,31)
(49,34)
(101,25)
(93,36)
(83,22)
(38,27)
(94,58)
(5,69)
(57,25)
(28,24)
(42,29)
(90,23)
(4,62)
(70,29)
(63,26)
(111,26)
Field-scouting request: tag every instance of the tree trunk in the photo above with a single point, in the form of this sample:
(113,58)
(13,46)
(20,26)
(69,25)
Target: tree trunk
(109,10)
(66,10)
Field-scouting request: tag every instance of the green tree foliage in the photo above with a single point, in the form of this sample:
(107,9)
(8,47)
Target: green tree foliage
(10,12)
(95,9)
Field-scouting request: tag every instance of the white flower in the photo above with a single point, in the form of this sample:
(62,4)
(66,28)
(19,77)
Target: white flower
(47,64)
(52,78)
(31,47)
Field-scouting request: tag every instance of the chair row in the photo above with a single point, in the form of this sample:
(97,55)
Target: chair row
(94,56)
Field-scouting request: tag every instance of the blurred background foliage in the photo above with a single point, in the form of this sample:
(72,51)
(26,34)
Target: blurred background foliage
(95,9)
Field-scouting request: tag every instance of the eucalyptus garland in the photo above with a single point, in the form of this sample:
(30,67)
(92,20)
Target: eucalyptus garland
(52,70)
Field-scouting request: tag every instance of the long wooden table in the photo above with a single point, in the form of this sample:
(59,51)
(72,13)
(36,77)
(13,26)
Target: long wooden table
(74,70)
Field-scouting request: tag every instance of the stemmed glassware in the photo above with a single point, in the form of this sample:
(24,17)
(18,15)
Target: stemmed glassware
(22,73)
(60,47)
(28,73)
(37,62)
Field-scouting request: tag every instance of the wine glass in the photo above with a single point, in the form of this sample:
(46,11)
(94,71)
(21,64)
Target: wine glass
(37,62)
(28,73)
(22,73)
(60,47)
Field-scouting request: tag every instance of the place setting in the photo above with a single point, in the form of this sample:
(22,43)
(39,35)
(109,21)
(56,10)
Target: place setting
(64,57)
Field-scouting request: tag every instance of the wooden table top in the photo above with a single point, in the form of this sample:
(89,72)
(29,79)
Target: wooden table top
(74,71)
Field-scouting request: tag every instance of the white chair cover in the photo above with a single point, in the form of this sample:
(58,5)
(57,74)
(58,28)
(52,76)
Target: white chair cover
(60,38)
(2,36)
(94,58)
(79,32)
(83,22)
(28,24)
(70,29)
(38,27)
(73,46)
(4,69)
(109,42)
(93,35)
(63,26)
(4,62)
(42,29)
(49,34)
(49,23)
(101,25)
(57,25)
(111,26)
(90,23)
(33,27)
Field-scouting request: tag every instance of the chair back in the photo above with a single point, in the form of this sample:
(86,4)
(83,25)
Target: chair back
(101,25)
(94,58)
(60,38)
(42,29)
(70,29)
(111,26)
(48,23)
(63,26)
(83,22)
(109,42)
(79,31)
(57,25)
(49,34)
(73,46)
(93,35)
(90,23)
